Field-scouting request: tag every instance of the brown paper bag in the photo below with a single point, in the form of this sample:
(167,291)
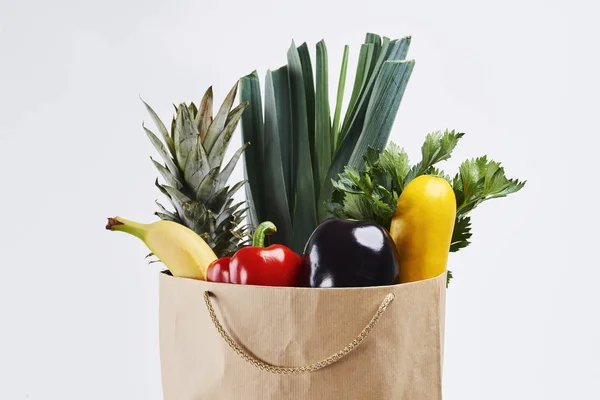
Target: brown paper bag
(379,352)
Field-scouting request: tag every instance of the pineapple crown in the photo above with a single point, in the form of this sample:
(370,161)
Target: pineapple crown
(195,181)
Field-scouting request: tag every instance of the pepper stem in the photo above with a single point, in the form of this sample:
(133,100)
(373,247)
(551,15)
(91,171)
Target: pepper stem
(265,228)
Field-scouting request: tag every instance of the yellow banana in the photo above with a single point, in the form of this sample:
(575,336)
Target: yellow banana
(422,227)
(182,251)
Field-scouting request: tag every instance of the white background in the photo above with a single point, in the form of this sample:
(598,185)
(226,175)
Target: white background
(78,305)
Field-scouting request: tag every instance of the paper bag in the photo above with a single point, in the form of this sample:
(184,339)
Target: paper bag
(262,328)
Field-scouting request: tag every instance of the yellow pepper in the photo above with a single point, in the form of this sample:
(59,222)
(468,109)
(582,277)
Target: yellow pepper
(422,227)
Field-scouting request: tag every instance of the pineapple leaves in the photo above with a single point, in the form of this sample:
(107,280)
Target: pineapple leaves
(162,190)
(167,175)
(226,172)
(166,212)
(233,189)
(230,211)
(218,200)
(166,217)
(205,113)
(195,182)
(177,198)
(196,167)
(218,124)
(185,136)
(192,110)
(197,212)
(160,148)
(161,128)
(217,152)
(207,185)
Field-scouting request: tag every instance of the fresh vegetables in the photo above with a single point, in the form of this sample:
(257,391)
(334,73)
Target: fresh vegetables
(349,254)
(275,265)
(182,251)
(422,227)
(305,162)
(371,194)
(296,150)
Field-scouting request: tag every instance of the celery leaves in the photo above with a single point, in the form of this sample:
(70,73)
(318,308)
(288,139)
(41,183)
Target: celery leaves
(479,180)
(438,147)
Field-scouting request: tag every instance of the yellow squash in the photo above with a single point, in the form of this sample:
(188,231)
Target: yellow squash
(422,227)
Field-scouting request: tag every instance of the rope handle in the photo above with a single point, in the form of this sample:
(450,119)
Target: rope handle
(296,370)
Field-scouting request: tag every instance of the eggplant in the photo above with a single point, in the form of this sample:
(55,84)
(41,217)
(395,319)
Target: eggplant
(347,253)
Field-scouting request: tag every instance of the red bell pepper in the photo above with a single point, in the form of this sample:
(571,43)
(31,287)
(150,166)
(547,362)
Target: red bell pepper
(275,265)
(218,270)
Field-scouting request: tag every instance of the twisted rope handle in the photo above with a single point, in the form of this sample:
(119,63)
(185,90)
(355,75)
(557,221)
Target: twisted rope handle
(296,370)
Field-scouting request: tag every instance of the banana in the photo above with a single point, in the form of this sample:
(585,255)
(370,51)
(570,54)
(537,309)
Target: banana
(182,251)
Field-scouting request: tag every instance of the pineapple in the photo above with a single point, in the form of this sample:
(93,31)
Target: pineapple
(195,180)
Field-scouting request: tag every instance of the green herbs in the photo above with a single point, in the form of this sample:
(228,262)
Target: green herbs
(477,180)
(372,193)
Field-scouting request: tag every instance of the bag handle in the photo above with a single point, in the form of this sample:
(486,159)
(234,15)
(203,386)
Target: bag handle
(296,370)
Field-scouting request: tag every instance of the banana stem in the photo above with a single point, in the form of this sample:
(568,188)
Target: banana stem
(124,225)
(265,228)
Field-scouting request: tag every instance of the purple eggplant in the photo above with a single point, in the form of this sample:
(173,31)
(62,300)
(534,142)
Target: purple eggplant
(346,253)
